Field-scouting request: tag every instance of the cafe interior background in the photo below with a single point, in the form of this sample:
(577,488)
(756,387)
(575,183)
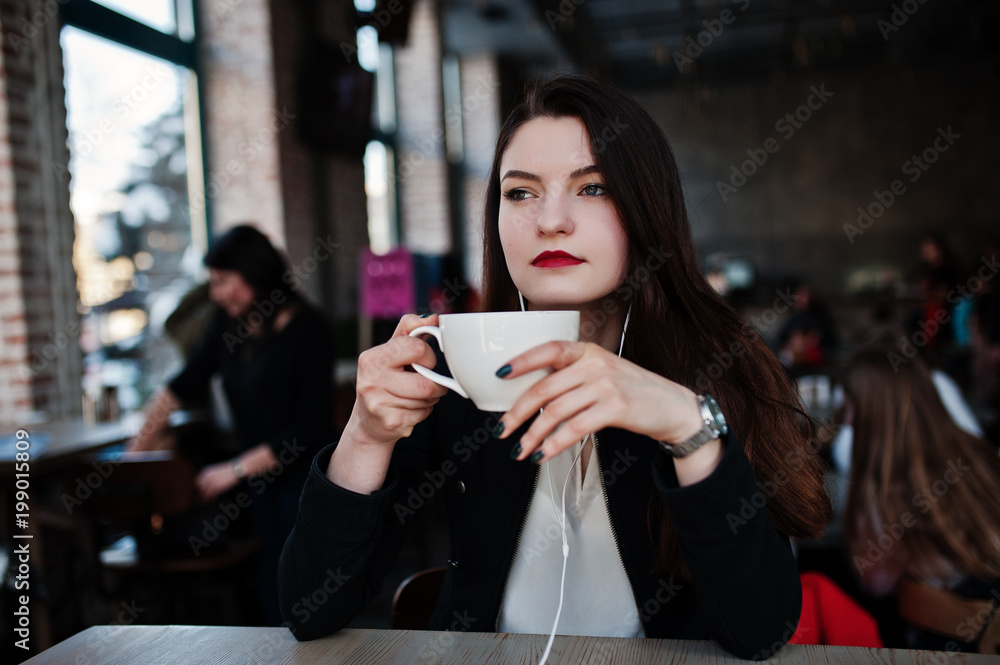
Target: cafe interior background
(817,142)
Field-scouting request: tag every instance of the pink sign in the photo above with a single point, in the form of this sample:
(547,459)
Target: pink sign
(387,285)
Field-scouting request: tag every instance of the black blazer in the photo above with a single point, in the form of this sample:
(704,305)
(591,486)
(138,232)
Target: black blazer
(745,591)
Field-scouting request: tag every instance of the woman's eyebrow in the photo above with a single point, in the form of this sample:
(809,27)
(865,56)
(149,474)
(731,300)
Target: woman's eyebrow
(586,170)
(523,175)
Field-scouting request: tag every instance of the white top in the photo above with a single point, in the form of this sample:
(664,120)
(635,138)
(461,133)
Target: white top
(598,599)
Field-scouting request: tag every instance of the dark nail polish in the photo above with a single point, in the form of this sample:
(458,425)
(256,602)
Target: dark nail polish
(516,450)
(498,430)
(425,315)
(536,457)
(504,371)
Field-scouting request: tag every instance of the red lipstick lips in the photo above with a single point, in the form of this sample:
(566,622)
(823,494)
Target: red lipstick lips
(557,259)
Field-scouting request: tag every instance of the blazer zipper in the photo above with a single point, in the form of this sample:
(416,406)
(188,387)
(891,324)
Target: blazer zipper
(614,533)
(517,547)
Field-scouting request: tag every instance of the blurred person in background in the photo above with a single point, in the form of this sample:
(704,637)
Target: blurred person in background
(274,354)
(808,338)
(936,276)
(922,503)
(986,336)
(891,340)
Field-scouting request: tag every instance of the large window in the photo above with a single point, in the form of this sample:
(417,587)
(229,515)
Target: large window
(134,148)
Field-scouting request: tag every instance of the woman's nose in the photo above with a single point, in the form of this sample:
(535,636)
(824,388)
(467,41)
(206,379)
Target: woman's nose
(554,215)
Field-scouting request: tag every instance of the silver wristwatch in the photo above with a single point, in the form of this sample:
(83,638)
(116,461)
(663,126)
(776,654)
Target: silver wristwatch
(239,470)
(714,426)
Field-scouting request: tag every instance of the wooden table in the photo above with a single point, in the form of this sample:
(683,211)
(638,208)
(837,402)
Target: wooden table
(150,645)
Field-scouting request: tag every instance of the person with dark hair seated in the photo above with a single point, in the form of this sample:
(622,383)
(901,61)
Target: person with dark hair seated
(667,532)
(274,354)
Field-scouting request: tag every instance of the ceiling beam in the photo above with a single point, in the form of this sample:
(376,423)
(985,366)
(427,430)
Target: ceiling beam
(578,36)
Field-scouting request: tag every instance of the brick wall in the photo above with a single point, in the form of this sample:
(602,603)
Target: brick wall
(790,214)
(40,359)
(422,172)
(303,199)
(242,119)
(481,124)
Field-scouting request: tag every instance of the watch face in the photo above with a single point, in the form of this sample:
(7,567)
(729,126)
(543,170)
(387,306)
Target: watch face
(720,419)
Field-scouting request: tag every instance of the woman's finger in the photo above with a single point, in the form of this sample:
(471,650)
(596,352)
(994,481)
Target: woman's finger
(392,402)
(410,385)
(540,395)
(592,419)
(576,365)
(551,354)
(555,422)
(410,322)
(383,364)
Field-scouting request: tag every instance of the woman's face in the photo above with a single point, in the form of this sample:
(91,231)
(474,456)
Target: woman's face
(561,236)
(230,291)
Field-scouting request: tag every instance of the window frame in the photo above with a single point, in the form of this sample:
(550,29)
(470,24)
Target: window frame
(126,31)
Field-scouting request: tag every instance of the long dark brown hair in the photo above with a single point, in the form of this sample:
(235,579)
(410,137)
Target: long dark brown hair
(679,327)
(923,495)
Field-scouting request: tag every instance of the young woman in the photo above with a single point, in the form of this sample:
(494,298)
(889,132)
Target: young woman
(922,502)
(669,532)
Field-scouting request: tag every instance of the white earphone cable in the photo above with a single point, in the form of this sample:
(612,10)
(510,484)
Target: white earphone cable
(561,521)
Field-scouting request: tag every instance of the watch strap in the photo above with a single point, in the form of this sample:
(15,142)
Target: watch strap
(691,444)
(712,428)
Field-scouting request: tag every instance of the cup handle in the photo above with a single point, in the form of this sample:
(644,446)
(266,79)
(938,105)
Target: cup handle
(439,379)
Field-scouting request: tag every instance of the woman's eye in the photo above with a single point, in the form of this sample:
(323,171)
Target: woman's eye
(593,190)
(515,194)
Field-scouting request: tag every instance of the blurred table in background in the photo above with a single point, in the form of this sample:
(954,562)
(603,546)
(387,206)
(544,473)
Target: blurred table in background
(55,443)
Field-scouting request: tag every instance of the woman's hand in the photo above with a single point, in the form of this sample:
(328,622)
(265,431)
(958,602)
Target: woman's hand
(390,402)
(151,435)
(215,479)
(390,399)
(592,388)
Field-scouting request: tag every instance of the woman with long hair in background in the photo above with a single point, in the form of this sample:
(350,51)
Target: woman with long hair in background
(922,506)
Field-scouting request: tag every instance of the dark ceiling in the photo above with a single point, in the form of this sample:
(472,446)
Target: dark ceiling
(644,43)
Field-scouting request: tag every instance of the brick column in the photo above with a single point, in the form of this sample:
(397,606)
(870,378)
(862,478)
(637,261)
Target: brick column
(480,79)
(422,181)
(242,118)
(324,194)
(40,358)
(260,170)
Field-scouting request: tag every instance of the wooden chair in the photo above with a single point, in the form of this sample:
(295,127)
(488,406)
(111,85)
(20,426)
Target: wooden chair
(415,598)
(139,497)
(970,620)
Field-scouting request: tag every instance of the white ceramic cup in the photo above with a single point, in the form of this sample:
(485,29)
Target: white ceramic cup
(477,345)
